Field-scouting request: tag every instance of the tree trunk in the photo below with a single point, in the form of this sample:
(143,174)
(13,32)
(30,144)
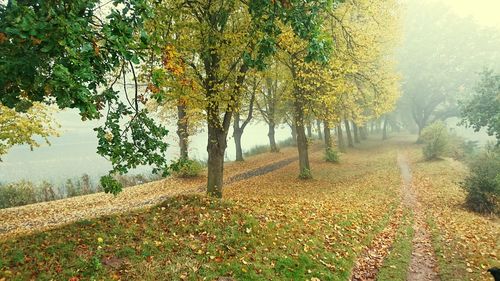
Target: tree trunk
(237,133)
(294,134)
(363,133)
(309,130)
(328,138)
(384,130)
(340,138)
(348,133)
(318,124)
(216,147)
(356,133)
(271,135)
(302,145)
(182,131)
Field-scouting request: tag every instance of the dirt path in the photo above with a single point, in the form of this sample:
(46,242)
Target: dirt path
(423,261)
(42,216)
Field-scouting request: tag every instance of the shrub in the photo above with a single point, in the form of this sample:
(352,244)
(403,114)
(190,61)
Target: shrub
(17,194)
(305,174)
(186,168)
(332,155)
(483,183)
(46,192)
(436,140)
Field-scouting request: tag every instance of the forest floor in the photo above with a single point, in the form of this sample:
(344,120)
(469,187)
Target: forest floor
(380,214)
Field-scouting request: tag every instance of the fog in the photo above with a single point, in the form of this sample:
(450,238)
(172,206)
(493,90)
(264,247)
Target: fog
(426,62)
(74,152)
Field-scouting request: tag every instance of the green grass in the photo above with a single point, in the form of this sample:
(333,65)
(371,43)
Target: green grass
(451,265)
(259,149)
(396,264)
(182,238)
(312,230)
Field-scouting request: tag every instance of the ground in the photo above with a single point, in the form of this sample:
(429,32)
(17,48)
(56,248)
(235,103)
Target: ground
(382,213)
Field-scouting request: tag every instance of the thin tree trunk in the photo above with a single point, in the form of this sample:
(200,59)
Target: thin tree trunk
(328,138)
(356,133)
(302,145)
(363,133)
(237,133)
(318,124)
(348,133)
(294,134)
(340,138)
(384,130)
(182,131)
(271,135)
(309,130)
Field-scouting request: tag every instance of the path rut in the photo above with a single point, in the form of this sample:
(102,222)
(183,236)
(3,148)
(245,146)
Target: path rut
(423,261)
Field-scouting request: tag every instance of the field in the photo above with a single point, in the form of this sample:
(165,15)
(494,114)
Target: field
(353,220)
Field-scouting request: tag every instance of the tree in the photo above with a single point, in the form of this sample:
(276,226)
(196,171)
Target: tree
(440,57)
(238,126)
(17,128)
(271,99)
(482,110)
(71,54)
(221,41)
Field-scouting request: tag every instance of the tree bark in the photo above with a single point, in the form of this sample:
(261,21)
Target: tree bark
(309,130)
(302,145)
(328,138)
(294,134)
(237,133)
(340,138)
(384,130)
(216,147)
(182,131)
(356,133)
(318,124)
(271,135)
(348,133)
(363,133)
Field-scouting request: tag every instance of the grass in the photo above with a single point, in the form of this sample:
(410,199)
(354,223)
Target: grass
(182,238)
(259,149)
(396,264)
(274,227)
(466,243)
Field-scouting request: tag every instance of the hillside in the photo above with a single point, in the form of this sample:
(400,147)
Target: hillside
(359,219)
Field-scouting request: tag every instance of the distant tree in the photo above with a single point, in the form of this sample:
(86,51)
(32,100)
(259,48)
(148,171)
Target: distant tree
(436,140)
(440,57)
(18,128)
(270,100)
(482,110)
(246,107)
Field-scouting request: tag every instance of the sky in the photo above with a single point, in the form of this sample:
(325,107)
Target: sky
(484,12)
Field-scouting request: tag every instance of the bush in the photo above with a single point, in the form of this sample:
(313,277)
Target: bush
(436,140)
(17,194)
(332,155)
(186,168)
(483,183)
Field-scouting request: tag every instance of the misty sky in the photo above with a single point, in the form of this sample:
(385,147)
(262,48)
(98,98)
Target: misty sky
(73,153)
(484,12)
